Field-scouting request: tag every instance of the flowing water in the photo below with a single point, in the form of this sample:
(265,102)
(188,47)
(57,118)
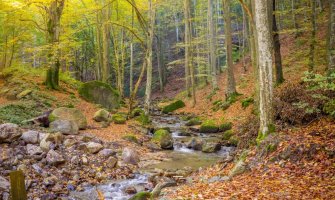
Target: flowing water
(179,158)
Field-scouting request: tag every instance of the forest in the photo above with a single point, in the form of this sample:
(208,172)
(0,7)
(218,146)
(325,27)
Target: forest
(167,99)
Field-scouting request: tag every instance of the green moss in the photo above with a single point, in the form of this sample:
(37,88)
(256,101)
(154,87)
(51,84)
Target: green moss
(173,106)
(225,126)
(130,138)
(261,136)
(141,196)
(159,134)
(246,102)
(136,112)
(118,119)
(143,119)
(193,121)
(227,135)
(209,126)
(233,140)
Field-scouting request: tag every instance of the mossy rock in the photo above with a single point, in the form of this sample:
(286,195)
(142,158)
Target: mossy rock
(225,126)
(136,112)
(163,138)
(119,119)
(173,106)
(227,135)
(69,114)
(141,196)
(193,122)
(209,126)
(102,115)
(100,93)
(233,141)
(211,147)
(143,119)
(130,138)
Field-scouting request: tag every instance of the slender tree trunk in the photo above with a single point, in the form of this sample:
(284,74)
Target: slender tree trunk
(244,45)
(159,64)
(149,58)
(131,73)
(231,87)
(212,42)
(106,41)
(277,53)
(331,38)
(313,35)
(187,48)
(265,65)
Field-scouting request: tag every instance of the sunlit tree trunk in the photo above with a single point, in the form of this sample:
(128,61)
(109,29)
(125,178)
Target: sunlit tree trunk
(276,44)
(212,42)
(331,38)
(265,65)
(53,30)
(231,86)
(106,40)
(149,57)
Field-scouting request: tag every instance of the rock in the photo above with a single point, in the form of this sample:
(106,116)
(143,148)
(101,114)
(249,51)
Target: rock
(54,158)
(173,106)
(69,142)
(93,147)
(111,162)
(5,154)
(24,93)
(130,190)
(67,127)
(49,181)
(84,160)
(119,119)
(195,143)
(239,168)
(193,122)
(89,194)
(102,115)
(163,138)
(107,153)
(218,179)
(130,156)
(71,114)
(209,126)
(9,132)
(33,150)
(4,184)
(211,147)
(141,196)
(30,137)
(100,93)
(50,140)
(22,168)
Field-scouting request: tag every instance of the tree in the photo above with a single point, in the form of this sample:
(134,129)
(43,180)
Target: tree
(331,38)
(231,87)
(265,65)
(313,35)
(212,49)
(54,13)
(276,44)
(106,39)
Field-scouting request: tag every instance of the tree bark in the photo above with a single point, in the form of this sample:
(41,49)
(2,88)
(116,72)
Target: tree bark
(313,35)
(231,86)
(265,65)
(106,41)
(276,44)
(212,48)
(331,38)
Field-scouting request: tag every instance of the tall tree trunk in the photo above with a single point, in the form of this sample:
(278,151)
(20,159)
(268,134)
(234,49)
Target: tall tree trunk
(53,30)
(276,44)
(131,67)
(313,35)
(231,86)
(188,38)
(265,65)
(212,42)
(331,38)
(106,41)
(149,57)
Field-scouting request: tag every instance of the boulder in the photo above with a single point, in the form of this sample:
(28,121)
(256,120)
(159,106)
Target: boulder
(93,147)
(119,119)
(163,138)
(173,106)
(141,196)
(211,147)
(30,137)
(102,115)
(4,184)
(71,114)
(195,143)
(67,127)
(209,126)
(50,140)
(130,156)
(107,153)
(54,158)
(100,93)
(33,150)
(111,162)
(69,142)
(9,132)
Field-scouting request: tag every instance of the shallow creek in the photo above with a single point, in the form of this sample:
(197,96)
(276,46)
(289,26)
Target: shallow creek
(180,158)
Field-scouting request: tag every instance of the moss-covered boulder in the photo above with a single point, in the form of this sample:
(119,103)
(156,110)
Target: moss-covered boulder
(173,106)
(209,126)
(210,147)
(119,119)
(225,126)
(141,196)
(163,138)
(71,114)
(100,93)
(102,115)
(136,112)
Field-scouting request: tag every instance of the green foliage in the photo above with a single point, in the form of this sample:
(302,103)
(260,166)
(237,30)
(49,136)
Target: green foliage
(17,113)
(225,126)
(118,119)
(220,105)
(320,82)
(246,102)
(143,119)
(209,126)
(130,138)
(227,134)
(67,78)
(173,106)
(329,108)
(308,109)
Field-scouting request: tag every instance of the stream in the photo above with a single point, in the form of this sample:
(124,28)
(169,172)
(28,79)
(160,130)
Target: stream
(180,158)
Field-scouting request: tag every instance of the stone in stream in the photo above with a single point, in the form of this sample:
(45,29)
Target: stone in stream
(130,156)
(67,127)
(211,147)
(30,137)
(9,132)
(195,143)
(163,138)
(69,114)
(141,196)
